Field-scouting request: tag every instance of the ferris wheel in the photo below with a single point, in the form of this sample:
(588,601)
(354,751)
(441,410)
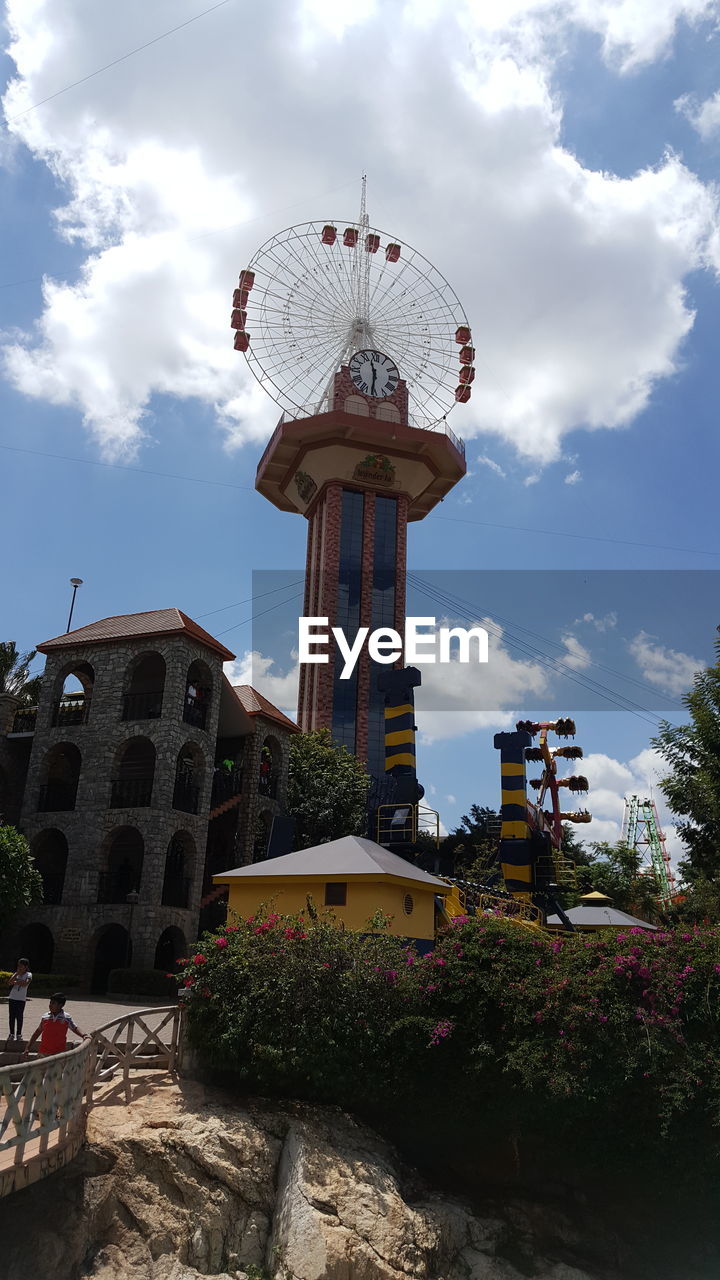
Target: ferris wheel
(315,294)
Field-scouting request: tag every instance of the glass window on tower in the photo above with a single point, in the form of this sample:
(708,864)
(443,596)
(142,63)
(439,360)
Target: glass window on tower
(383,615)
(348,613)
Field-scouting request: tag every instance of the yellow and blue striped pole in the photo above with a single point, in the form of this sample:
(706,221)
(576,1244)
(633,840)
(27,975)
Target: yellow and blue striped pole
(516,853)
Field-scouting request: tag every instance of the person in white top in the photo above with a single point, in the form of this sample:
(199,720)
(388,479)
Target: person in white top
(17,997)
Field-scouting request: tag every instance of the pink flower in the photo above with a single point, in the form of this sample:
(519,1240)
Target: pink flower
(231,928)
(199,958)
(221,942)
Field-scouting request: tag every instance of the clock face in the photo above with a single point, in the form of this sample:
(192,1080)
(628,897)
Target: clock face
(374,374)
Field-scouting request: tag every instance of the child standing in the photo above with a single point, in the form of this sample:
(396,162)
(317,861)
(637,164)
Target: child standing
(54,1027)
(17,997)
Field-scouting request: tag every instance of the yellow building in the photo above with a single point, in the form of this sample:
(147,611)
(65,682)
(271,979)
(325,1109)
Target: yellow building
(352,876)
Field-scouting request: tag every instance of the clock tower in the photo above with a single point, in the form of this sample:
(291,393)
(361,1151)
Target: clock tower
(366,347)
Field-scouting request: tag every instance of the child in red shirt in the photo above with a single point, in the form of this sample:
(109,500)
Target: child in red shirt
(53,1028)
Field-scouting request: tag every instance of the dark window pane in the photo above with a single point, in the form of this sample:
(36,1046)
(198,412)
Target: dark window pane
(336,893)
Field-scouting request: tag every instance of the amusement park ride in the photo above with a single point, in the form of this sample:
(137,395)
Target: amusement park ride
(365,347)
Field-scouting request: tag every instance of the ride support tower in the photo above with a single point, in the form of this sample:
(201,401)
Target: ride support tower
(366,349)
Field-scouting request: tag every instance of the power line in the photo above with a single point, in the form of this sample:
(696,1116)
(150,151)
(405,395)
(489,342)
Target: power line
(253,616)
(246,488)
(251,599)
(115,62)
(586,537)
(535,636)
(120,466)
(553,665)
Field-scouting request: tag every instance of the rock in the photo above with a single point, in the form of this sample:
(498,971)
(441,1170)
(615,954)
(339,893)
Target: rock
(185,1183)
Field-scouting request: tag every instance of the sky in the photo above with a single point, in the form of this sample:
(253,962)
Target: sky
(555,162)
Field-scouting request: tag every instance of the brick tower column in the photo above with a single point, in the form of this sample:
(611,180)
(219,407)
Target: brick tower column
(358,473)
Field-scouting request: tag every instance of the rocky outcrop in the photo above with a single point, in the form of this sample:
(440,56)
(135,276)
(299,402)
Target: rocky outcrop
(185,1183)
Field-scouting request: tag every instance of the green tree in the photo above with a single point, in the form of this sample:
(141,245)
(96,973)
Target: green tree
(617,870)
(327,790)
(572,847)
(15,675)
(692,785)
(471,847)
(20,881)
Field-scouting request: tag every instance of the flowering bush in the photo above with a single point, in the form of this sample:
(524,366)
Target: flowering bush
(502,1016)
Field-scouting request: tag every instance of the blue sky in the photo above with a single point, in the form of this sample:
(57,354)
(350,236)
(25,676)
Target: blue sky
(556,164)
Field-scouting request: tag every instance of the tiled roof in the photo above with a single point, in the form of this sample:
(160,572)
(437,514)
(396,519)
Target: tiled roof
(348,856)
(130,626)
(257,705)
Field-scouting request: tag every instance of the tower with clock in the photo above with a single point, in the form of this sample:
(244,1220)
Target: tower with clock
(366,348)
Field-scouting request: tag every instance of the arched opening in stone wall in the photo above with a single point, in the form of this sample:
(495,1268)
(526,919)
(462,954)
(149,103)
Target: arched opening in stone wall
(198,694)
(270,766)
(50,851)
(72,694)
(59,778)
(171,947)
(143,687)
(132,785)
(263,824)
(122,862)
(189,778)
(110,948)
(179,865)
(36,942)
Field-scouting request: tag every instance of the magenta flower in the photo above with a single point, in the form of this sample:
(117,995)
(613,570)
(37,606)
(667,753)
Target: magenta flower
(221,942)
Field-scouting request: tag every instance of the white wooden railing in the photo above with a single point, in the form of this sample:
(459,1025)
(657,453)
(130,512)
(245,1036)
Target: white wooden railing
(44,1104)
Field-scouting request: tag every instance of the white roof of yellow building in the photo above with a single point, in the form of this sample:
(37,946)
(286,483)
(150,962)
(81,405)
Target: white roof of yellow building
(337,860)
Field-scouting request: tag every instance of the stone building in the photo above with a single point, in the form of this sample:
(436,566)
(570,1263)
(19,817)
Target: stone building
(141,773)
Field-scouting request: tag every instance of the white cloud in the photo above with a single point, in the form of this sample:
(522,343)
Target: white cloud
(489,462)
(703,116)
(458,698)
(606,623)
(668,669)
(573,477)
(576,656)
(256,670)
(576,278)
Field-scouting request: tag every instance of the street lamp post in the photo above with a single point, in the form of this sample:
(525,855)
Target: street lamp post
(74,583)
(132,900)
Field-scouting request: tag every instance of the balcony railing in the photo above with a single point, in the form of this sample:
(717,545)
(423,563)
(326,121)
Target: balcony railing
(176,892)
(226,785)
(114,886)
(131,793)
(186,796)
(268,784)
(142,706)
(53,882)
(57,797)
(71,710)
(25,720)
(195,712)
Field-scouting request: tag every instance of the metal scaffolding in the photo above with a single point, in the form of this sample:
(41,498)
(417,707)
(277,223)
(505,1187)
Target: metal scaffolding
(642,831)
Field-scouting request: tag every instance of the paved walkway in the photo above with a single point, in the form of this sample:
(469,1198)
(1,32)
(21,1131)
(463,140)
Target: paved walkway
(87,1012)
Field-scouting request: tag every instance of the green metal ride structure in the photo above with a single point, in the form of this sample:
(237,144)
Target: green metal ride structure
(642,832)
